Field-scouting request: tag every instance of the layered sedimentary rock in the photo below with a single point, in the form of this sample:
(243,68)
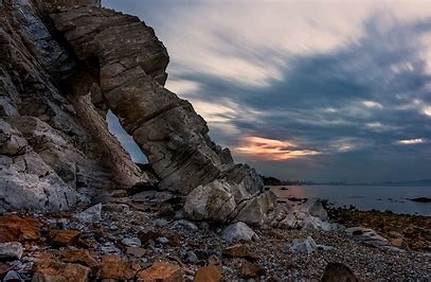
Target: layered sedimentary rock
(65,64)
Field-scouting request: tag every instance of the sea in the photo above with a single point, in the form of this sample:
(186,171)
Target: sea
(382,198)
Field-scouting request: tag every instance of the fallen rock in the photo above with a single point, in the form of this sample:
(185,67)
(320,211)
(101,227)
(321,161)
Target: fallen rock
(338,272)
(90,215)
(61,237)
(213,201)
(114,267)
(315,208)
(238,251)
(209,273)
(239,232)
(131,242)
(15,228)
(56,271)
(308,246)
(251,270)
(161,272)
(367,236)
(79,256)
(11,250)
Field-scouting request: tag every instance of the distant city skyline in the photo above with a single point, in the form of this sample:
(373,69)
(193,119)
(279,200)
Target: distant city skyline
(314,90)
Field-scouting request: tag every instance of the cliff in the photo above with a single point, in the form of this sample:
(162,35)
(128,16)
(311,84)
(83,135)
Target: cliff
(63,66)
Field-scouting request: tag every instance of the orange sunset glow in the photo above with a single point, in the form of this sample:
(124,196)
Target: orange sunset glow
(270,149)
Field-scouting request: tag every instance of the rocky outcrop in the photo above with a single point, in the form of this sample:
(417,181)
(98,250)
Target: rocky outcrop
(64,64)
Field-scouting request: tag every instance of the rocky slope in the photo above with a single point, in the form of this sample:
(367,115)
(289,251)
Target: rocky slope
(63,65)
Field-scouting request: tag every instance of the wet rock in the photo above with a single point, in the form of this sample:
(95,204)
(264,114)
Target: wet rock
(11,250)
(49,271)
(209,273)
(251,270)
(213,201)
(63,237)
(239,251)
(114,267)
(90,215)
(161,272)
(15,228)
(79,256)
(338,272)
(239,232)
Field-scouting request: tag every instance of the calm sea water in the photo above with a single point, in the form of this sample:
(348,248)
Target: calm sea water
(394,198)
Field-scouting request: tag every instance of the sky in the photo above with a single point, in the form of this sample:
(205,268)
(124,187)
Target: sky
(309,90)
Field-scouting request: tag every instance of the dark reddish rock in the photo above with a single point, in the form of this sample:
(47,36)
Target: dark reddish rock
(209,273)
(15,228)
(239,251)
(49,271)
(79,256)
(338,272)
(114,267)
(251,270)
(61,237)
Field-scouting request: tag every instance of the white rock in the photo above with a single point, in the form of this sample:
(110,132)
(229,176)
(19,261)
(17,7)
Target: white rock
(131,242)
(92,214)
(239,232)
(308,246)
(11,250)
(315,208)
(367,236)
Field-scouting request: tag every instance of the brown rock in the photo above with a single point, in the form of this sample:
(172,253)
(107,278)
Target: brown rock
(338,272)
(239,251)
(209,273)
(161,272)
(114,267)
(64,237)
(147,235)
(398,242)
(15,228)
(251,270)
(50,271)
(79,256)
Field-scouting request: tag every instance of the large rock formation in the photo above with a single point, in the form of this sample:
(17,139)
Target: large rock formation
(67,63)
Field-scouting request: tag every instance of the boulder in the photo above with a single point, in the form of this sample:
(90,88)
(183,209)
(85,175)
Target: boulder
(90,215)
(213,201)
(314,207)
(238,251)
(79,256)
(239,232)
(251,270)
(368,237)
(60,237)
(114,267)
(56,271)
(15,228)
(338,272)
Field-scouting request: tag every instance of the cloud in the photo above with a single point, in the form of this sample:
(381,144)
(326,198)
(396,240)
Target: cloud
(411,141)
(372,105)
(270,149)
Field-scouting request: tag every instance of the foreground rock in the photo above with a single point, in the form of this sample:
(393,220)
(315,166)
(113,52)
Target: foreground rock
(11,250)
(239,232)
(337,272)
(163,272)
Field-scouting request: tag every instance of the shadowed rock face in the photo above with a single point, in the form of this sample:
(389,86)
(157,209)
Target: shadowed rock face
(88,60)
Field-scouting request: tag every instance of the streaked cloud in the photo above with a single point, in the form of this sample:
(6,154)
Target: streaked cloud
(411,141)
(271,149)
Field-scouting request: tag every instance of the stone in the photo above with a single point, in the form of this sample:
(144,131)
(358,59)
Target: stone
(213,201)
(306,246)
(11,250)
(114,267)
(251,270)
(161,272)
(146,235)
(239,232)
(80,256)
(12,276)
(136,252)
(315,208)
(131,242)
(191,257)
(238,251)
(63,237)
(338,272)
(185,224)
(15,228)
(56,271)
(367,236)
(256,210)
(90,215)
(209,273)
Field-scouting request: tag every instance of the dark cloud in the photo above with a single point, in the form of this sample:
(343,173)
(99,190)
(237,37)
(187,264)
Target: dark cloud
(352,103)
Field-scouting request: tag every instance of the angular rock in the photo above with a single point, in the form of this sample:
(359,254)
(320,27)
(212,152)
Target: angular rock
(90,215)
(368,237)
(213,201)
(57,271)
(64,237)
(338,272)
(81,256)
(161,272)
(114,267)
(209,273)
(11,250)
(315,208)
(15,228)
(306,246)
(239,232)
(131,242)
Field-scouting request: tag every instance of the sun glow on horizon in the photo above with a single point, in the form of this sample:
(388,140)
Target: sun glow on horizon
(271,149)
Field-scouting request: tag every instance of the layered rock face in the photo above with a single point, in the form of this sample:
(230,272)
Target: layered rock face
(84,60)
